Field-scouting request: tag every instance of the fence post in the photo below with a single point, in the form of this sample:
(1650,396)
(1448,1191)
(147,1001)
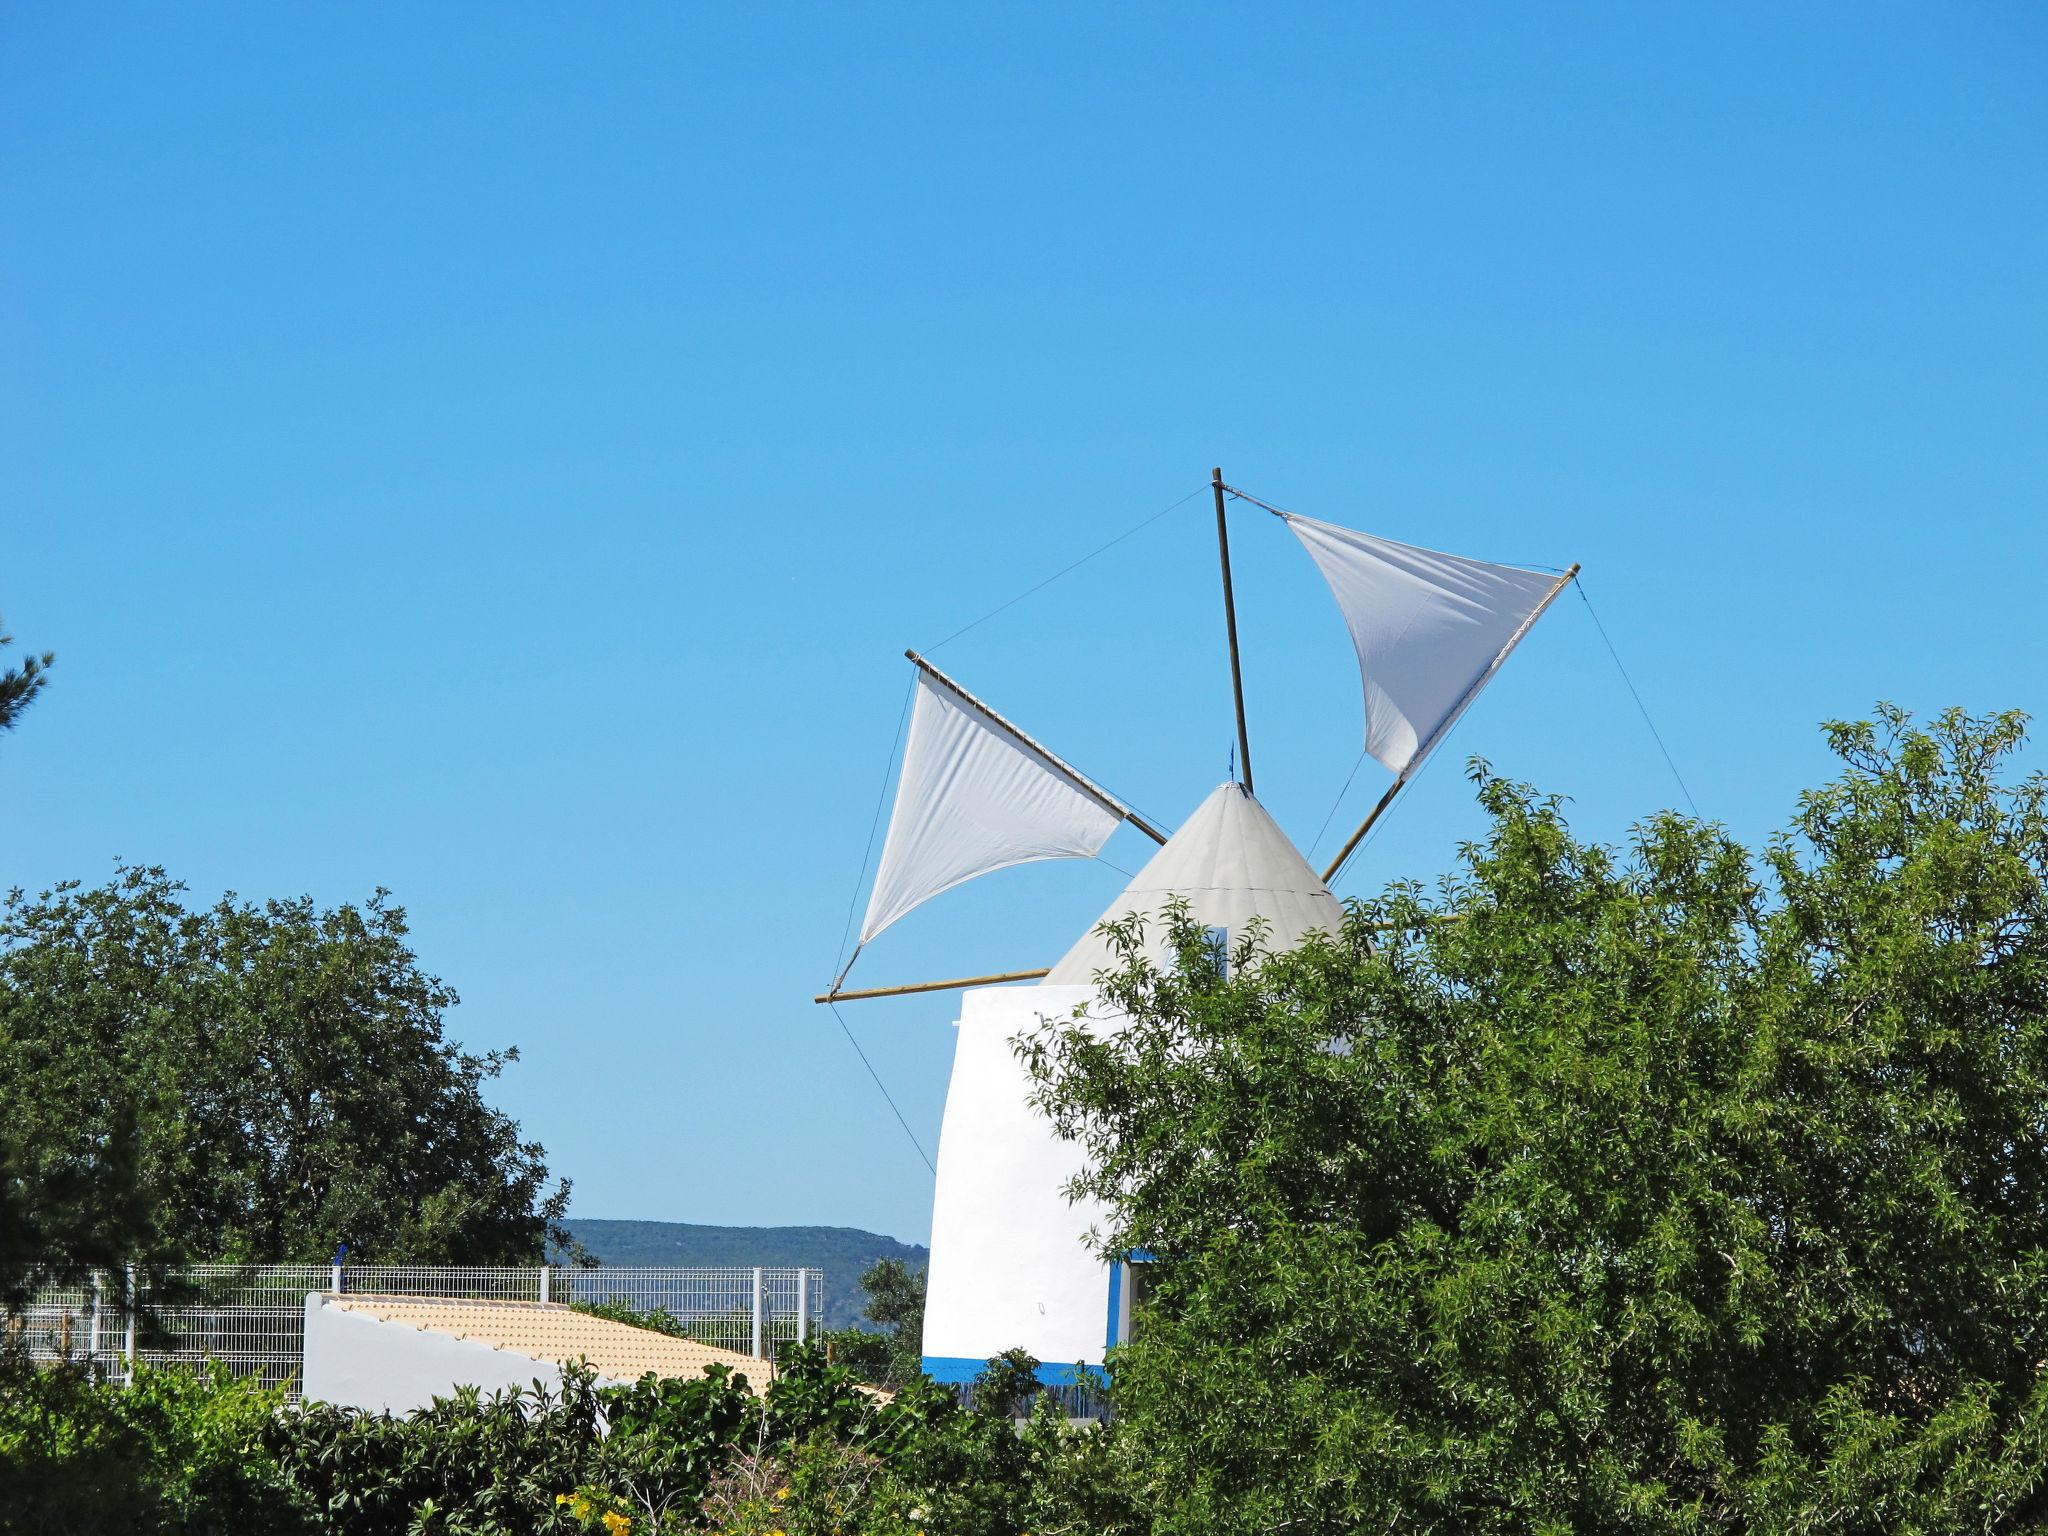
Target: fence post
(803,1305)
(545,1288)
(128,1350)
(757,1314)
(92,1338)
(334,1282)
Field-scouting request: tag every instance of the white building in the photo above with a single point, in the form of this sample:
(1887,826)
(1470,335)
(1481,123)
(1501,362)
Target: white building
(392,1354)
(1011,1264)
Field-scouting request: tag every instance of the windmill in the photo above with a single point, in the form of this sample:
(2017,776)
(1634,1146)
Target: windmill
(1010,1264)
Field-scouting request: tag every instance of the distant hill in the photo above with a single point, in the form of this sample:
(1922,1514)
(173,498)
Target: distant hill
(841,1252)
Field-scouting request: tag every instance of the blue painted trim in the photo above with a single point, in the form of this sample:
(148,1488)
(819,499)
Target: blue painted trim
(1116,1296)
(955,1370)
(1139,1256)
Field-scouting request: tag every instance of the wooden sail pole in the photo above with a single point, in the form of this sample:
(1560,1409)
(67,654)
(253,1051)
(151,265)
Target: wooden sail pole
(1040,974)
(1364,827)
(1108,800)
(1244,741)
(931,986)
(1449,720)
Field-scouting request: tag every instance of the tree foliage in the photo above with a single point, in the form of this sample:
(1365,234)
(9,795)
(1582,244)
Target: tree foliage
(817,1454)
(20,684)
(246,1083)
(178,1453)
(891,1353)
(1667,1189)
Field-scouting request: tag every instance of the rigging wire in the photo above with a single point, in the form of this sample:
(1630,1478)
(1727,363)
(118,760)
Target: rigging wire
(1655,735)
(1282,512)
(1234,492)
(1065,570)
(863,1055)
(1642,708)
(881,799)
(1435,754)
(1332,814)
(852,906)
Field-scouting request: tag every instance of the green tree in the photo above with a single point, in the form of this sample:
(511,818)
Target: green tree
(20,685)
(893,1351)
(1669,1189)
(245,1082)
(22,1230)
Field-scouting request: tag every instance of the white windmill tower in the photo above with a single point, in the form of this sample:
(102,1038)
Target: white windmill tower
(1011,1266)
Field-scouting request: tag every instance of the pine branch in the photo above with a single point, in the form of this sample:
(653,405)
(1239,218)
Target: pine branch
(20,685)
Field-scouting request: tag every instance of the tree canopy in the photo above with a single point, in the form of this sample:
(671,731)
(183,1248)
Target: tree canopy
(893,1352)
(20,684)
(1674,1188)
(244,1082)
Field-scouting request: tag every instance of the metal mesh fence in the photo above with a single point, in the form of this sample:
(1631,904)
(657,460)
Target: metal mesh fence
(716,1305)
(252,1318)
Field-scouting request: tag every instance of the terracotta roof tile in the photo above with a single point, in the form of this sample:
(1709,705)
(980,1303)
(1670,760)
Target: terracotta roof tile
(550,1331)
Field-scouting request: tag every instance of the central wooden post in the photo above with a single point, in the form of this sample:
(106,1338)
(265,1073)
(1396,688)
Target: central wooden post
(1244,742)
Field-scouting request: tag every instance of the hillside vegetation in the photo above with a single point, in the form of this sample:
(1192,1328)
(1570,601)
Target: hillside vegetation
(841,1252)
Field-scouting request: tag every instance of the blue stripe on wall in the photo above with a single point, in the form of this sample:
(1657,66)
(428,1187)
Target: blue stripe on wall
(1116,1296)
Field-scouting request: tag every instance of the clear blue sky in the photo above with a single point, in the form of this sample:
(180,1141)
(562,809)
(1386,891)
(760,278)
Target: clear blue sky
(500,452)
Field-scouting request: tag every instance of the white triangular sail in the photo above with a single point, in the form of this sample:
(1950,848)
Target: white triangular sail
(1430,629)
(974,796)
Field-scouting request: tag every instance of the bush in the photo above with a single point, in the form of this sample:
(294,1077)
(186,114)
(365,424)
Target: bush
(819,1487)
(180,1452)
(619,1310)
(674,1455)
(893,1353)
(200,1454)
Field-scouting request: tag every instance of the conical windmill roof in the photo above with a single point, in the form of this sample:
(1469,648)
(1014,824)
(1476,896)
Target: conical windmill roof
(1230,862)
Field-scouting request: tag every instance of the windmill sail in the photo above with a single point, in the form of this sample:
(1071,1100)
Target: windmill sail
(1430,630)
(975,796)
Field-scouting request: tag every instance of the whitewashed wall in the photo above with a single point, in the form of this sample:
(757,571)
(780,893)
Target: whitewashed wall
(1010,1265)
(354,1360)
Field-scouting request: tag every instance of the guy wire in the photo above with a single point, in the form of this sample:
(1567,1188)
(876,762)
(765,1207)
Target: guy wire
(1643,708)
(863,1055)
(1064,570)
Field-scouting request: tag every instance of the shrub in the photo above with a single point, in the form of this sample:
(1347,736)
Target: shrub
(670,1454)
(893,1353)
(619,1310)
(179,1452)
(819,1487)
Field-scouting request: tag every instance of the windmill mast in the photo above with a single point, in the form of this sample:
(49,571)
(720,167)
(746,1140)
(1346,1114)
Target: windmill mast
(1244,743)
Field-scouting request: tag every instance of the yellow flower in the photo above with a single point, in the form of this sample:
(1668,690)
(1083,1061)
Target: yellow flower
(617,1523)
(782,1493)
(561,1498)
(579,1506)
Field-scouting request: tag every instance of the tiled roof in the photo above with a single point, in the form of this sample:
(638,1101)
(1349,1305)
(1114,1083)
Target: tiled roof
(549,1331)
